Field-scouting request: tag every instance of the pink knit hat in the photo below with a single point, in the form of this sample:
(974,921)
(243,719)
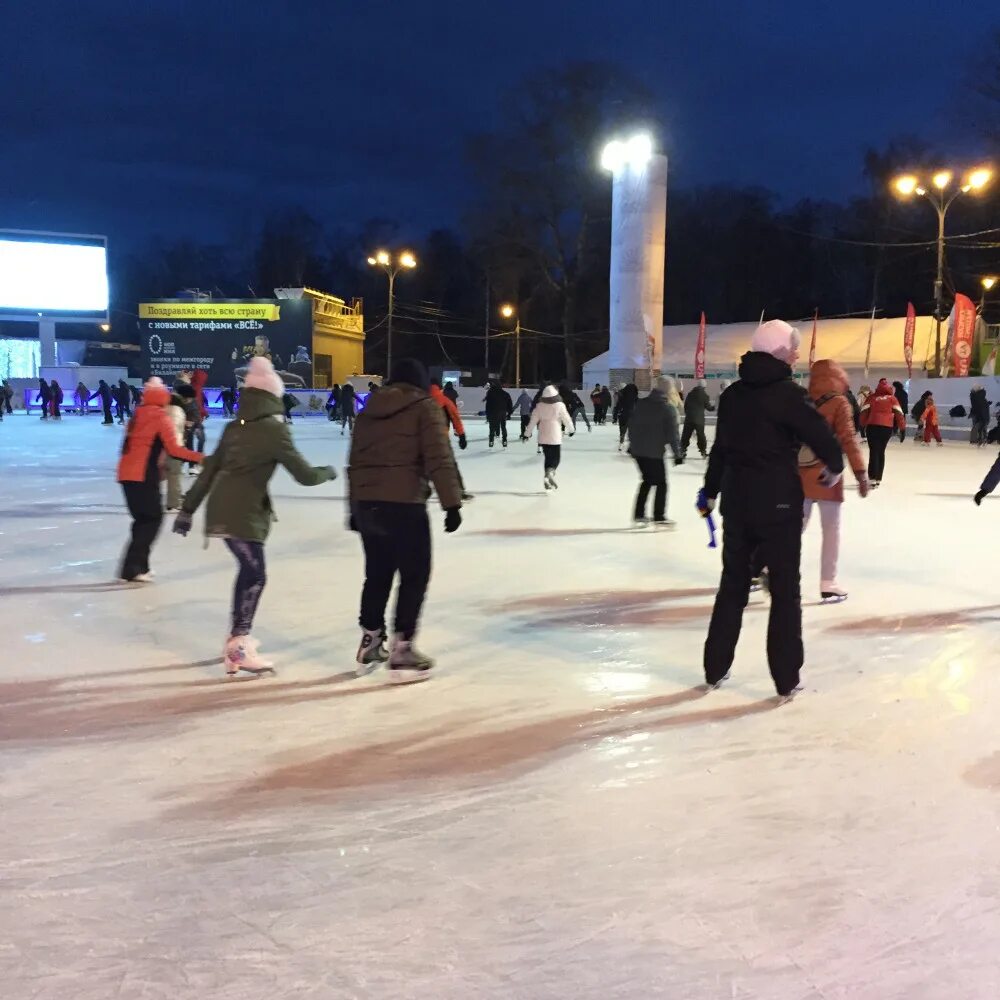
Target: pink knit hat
(261,375)
(776,337)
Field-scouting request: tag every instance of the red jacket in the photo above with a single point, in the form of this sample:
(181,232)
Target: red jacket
(199,379)
(883,409)
(150,433)
(450,409)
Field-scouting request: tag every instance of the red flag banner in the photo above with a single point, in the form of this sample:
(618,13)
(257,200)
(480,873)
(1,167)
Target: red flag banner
(908,332)
(699,351)
(812,346)
(964,334)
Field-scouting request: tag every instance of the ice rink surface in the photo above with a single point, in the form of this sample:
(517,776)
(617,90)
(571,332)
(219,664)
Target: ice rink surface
(559,813)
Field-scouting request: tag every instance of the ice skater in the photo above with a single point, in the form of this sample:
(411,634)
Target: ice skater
(399,447)
(595,401)
(44,397)
(81,395)
(652,428)
(523,405)
(880,415)
(452,419)
(551,418)
(828,391)
(333,403)
(577,410)
(235,479)
(628,396)
(149,434)
(56,399)
(177,411)
(763,418)
(695,406)
(348,402)
(8,395)
(979,412)
(929,422)
(498,410)
(105,394)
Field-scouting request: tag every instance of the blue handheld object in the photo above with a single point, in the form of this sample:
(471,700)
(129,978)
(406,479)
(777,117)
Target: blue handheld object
(702,505)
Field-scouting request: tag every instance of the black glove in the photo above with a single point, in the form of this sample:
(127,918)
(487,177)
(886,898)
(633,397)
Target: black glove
(462,442)
(978,498)
(182,523)
(452,519)
(678,459)
(902,435)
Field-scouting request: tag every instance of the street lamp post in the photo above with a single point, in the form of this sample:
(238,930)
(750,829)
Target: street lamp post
(988,282)
(939,195)
(507,311)
(404,261)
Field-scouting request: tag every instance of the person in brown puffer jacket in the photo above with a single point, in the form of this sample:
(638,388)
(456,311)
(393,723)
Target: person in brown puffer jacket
(400,446)
(828,391)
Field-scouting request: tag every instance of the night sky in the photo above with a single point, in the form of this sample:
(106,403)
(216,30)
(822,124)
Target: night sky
(192,118)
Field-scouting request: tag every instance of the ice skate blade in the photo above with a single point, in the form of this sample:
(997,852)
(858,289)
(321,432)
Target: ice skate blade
(364,669)
(252,673)
(715,687)
(402,676)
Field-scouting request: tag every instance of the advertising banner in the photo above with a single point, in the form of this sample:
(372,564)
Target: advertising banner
(221,337)
(699,351)
(963,335)
(908,333)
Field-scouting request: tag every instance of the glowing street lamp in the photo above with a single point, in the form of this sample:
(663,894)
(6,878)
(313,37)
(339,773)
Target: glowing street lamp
(634,152)
(988,282)
(508,311)
(404,261)
(941,194)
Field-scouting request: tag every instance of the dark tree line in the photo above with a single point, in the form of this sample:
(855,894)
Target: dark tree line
(537,235)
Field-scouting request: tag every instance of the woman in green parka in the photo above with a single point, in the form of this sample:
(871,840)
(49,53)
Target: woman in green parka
(239,508)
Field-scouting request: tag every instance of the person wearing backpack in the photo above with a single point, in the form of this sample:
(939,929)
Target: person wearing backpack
(828,391)
(880,413)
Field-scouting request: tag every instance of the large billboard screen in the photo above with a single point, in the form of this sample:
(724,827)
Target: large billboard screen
(57,276)
(221,336)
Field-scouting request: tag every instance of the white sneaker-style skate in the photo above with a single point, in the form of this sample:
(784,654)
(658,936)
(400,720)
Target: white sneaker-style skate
(831,593)
(241,655)
(640,522)
(406,663)
(371,653)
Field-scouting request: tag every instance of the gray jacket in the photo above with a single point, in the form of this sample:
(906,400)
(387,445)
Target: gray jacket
(653,426)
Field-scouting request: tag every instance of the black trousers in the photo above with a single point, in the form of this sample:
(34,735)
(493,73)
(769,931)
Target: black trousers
(347,417)
(622,429)
(553,454)
(194,440)
(396,539)
(654,477)
(525,419)
(779,547)
(697,429)
(498,428)
(7,405)
(250,582)
(878,441)
(108,418)
(146,508)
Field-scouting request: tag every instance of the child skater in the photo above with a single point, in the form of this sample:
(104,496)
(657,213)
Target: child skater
(150,434)
(551,418)
(239,509)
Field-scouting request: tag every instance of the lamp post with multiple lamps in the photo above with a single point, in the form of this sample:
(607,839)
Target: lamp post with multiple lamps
(404,261)
(941,193)
(509,312)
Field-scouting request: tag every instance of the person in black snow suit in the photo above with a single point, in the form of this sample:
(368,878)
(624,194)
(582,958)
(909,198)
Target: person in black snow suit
(289,402)
(333,402)
(135,396)
(104,393)
(606,403)
(627,399)
(122,399)
(347,412)
(451,392)
(696,403)
(499,407)
(651,429)
(764,418)
(979,411)
(44,397)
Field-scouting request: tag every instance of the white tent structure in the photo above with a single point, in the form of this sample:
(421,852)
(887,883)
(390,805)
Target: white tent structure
(844,340)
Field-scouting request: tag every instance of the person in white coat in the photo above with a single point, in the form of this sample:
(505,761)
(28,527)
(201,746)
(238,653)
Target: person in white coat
(551,418)
(174,466)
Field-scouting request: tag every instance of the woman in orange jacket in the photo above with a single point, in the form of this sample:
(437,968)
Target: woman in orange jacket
(881,414)
(828,390)
(150,434)
(929,420)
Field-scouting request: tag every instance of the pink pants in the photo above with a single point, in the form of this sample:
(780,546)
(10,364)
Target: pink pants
(829,515)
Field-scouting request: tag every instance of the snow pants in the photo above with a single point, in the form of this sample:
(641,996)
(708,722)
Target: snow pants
(932,431)
(779,547)
(143,501)
(397,539)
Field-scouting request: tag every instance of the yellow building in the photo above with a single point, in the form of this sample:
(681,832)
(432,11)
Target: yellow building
(338,335)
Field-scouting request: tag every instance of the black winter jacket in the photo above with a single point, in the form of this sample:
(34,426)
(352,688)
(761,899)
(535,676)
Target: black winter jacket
(498,403)
(696,403)
(627,399)
(653,426)
(763,419)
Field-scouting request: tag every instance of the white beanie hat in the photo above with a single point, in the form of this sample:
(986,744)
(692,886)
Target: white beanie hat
(261,375)
(776,337)
(155,392)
